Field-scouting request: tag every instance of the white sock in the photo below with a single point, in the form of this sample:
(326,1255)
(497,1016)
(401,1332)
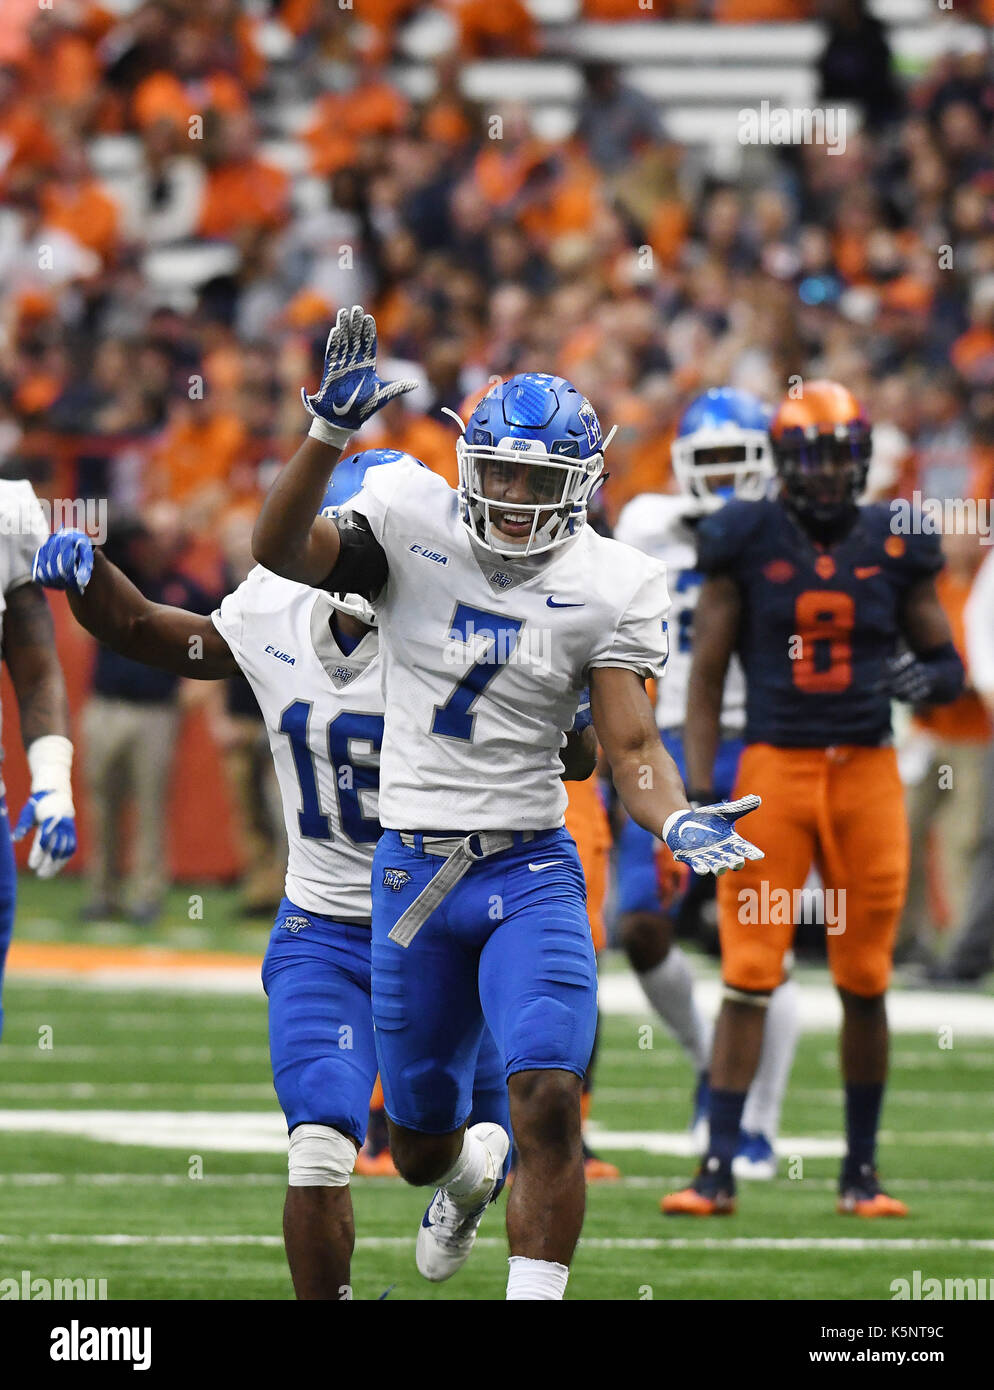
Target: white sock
(536,1279)
(783,1024)
(468,1175)
(669,988)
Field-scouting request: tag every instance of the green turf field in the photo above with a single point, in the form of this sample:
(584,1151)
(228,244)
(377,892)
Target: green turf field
(138,1215)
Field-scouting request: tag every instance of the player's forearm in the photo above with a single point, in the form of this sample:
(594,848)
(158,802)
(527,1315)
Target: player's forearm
(648,783)
(288,538)
(702,731)
(33,663)
(42,704)
(171,639)
(645,776)
(110,605)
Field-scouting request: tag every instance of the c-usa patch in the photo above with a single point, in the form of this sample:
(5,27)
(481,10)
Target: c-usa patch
(395,879)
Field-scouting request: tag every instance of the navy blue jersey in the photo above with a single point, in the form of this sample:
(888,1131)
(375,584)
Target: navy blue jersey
(818,622)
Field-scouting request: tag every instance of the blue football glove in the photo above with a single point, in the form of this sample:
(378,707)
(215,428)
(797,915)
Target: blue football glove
(584,718)
(55,842)
(350,391)
(705,838)
(64,561)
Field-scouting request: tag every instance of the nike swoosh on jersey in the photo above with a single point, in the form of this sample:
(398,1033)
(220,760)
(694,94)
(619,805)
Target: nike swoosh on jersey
(344,409)
(551,603)
(535,867)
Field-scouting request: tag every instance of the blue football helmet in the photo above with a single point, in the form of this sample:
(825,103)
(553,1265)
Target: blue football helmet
(346,481)
(722,448)
(542,425)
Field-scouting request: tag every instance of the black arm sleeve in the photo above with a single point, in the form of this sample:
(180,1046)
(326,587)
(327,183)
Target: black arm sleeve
(362,561)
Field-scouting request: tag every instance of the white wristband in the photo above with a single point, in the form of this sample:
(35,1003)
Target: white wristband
(669,822)
(337,436)
(50,761)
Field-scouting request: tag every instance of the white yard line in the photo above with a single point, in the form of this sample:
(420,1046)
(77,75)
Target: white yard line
(664,1095)
(800,1146)
(260,1131)
(909,1011)
(744,1243)
(278,1179)
(85,1090)
(158,1052)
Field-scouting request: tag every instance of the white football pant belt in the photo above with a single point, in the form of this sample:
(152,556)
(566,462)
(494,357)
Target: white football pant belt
(456,866)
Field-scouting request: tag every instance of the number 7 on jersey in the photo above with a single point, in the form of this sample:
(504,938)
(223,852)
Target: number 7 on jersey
(453,719)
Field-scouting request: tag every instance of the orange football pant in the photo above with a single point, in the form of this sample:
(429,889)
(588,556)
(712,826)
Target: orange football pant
(843,810)
(586,821)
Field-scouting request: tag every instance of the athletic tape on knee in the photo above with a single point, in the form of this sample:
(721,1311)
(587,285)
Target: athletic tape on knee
(320,1157)
(743,996)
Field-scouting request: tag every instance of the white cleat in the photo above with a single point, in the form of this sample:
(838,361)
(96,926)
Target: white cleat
(448,1230)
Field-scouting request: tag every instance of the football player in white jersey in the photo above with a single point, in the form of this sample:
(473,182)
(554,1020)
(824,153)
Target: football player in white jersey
(497,605)
(312,661)
(33,663)
(721,450)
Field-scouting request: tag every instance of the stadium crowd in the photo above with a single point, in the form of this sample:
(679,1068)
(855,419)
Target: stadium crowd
(155,330)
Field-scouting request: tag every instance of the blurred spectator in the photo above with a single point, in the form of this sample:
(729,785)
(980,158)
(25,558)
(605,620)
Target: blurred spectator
(615,121)
(164,202)
(130,725)
(487,30)
(944,779)
(398,426)
(75,203)
(855,64)
(197,464)
(244,194)
(943,452)
(971,953)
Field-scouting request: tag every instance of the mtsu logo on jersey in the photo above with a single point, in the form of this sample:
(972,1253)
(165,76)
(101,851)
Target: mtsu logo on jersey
(395,879)
(294,924)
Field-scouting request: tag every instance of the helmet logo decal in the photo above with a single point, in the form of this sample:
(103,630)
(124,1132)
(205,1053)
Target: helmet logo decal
(588,419)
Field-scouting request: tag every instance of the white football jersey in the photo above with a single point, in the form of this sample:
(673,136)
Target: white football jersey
(324,716)
(23,528)
(484,658)
(657,523)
